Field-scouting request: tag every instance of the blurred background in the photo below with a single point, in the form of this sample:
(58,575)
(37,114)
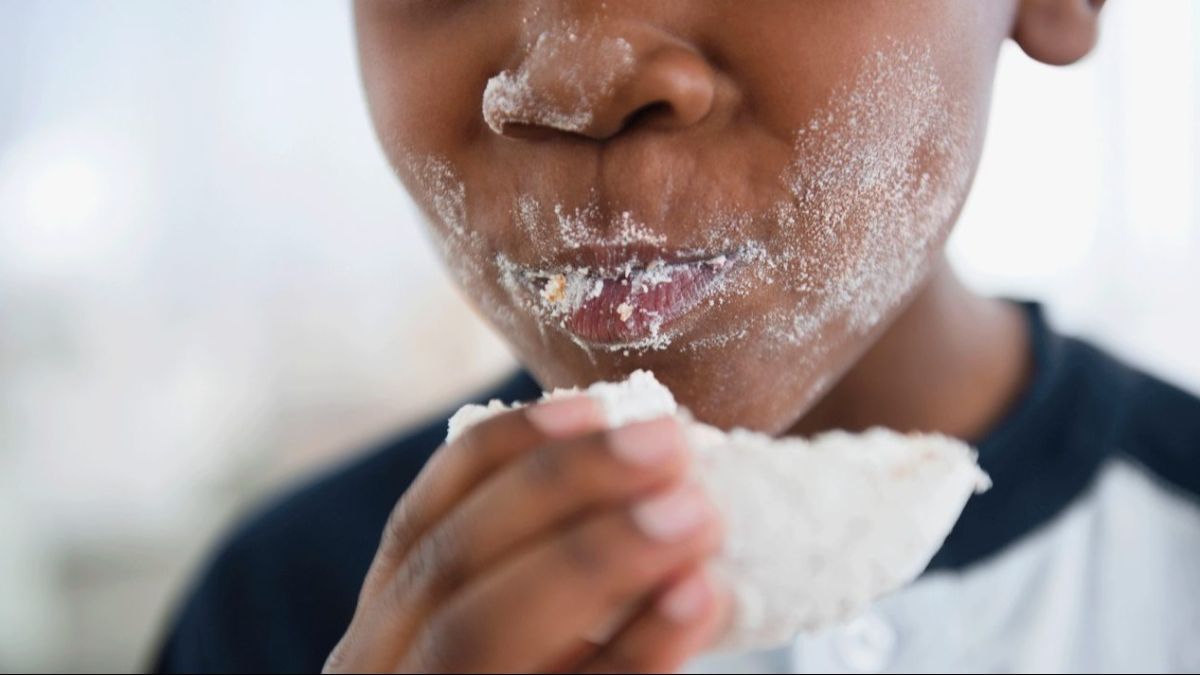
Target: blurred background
(211,284)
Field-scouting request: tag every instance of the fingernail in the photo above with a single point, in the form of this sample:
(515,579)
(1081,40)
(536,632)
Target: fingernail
(645,443)
(565,416)
(686,600)
(671,516)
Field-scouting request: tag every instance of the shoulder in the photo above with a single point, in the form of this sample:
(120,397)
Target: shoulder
(282,586)
(1132,416)
(1083,411)
(1113,410)
(1160,430)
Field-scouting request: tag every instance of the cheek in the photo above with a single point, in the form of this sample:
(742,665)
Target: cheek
(878,176)
(442,195)
(424,65)
(426,112)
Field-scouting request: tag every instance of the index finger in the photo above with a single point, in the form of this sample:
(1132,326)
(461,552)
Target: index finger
(458,467)
(453,472)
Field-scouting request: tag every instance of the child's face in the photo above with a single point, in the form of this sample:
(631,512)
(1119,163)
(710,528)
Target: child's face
(737,195)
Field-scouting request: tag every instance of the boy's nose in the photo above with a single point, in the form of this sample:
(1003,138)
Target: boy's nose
(670,87)
(599,84)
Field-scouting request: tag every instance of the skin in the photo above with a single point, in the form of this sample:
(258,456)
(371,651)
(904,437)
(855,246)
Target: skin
(523,537)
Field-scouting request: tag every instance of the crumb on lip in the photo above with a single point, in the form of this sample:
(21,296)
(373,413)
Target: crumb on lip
(555,289)
(556,296)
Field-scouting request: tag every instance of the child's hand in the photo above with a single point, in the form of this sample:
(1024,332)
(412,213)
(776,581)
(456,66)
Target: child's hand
(528,534)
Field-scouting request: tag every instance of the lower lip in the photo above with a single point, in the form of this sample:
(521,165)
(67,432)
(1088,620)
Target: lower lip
(622,313)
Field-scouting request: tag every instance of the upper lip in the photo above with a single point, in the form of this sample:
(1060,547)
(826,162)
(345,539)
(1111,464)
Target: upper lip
(624,258)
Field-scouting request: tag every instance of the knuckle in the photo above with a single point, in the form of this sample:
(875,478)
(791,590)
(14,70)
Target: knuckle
(619,660)
(469,442)
(582,467)
(442,557)
(582,550)
(436,563)
(398,529)
(477,440)
(452,640)
(397,595)
(494,440)
(547,465)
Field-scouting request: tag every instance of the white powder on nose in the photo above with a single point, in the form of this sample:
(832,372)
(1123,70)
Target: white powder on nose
(563,76)
(817,529)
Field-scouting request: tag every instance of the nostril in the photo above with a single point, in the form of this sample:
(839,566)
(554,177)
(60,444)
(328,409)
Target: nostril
(528,132)
(647,115)
(671,89)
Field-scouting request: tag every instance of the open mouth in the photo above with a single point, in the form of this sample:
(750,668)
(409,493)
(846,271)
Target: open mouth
(629,305)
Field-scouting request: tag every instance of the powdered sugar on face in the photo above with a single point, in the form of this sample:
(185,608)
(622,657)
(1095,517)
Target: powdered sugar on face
(877,174)
(462,247)
(858,180)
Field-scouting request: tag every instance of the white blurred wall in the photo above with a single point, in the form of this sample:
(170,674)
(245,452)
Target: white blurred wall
(210,282)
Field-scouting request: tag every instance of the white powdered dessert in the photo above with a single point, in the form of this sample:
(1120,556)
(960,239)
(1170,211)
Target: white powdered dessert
(816,529)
